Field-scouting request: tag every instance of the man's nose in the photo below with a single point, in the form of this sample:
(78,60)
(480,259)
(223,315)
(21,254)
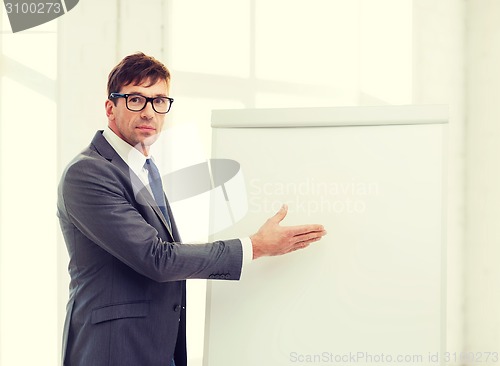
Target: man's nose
(148,111)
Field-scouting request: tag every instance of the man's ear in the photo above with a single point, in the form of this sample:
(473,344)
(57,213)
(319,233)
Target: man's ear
(108,105)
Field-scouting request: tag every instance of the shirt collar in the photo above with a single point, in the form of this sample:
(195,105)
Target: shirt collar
(131,156)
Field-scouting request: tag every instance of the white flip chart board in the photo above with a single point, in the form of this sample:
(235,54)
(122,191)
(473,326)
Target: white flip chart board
(372,291)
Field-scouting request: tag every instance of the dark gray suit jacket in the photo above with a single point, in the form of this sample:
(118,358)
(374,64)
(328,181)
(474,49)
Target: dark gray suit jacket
(127,292)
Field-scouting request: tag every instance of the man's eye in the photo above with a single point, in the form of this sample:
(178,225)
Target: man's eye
(135,99)
(160,101)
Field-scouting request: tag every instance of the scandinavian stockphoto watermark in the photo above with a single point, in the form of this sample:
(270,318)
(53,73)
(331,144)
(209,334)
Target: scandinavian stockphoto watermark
(383,358)
(26,14)
(311,196)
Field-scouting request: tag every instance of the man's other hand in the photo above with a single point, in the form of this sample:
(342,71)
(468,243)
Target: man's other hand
(273,239)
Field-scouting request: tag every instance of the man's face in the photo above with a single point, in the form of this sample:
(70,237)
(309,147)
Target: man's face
(139,129)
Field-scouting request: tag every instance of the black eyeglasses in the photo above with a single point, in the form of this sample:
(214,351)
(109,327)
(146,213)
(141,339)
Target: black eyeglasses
(137,102)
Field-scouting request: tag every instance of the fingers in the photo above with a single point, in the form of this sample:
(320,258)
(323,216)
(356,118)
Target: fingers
(299,246)
(303,241)
(309,236)
(295,230)
(280,215)
(303,244)
(305,229)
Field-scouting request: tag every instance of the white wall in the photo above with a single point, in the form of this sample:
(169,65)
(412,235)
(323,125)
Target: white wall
(482,251)
(28,231)
(439,77)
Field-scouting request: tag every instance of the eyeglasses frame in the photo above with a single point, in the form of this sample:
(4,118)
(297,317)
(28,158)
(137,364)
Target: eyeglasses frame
(150,100)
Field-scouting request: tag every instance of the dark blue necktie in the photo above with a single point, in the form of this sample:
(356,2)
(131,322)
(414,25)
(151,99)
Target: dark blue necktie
(157,188)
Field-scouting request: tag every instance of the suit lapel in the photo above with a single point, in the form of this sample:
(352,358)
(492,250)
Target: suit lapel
(141,193)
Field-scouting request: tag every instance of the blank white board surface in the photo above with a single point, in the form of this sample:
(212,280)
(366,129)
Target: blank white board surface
(372,291)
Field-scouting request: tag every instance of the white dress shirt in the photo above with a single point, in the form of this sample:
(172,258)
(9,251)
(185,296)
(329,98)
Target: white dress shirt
(136,160)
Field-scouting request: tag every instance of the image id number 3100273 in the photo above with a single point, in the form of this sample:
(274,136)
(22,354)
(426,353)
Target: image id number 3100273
(33,8)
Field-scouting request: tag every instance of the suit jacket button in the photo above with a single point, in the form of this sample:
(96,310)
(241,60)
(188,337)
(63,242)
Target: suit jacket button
(228,276)
(211,276)
(177,308)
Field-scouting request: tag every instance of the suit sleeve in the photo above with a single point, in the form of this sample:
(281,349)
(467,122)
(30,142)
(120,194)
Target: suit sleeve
(93,199)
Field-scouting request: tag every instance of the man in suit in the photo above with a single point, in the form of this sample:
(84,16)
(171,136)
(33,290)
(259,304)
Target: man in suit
(128,268)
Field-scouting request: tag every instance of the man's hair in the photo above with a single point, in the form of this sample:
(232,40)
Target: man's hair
(136,69)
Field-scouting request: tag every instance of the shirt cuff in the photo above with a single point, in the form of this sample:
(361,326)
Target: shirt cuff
(246,246)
